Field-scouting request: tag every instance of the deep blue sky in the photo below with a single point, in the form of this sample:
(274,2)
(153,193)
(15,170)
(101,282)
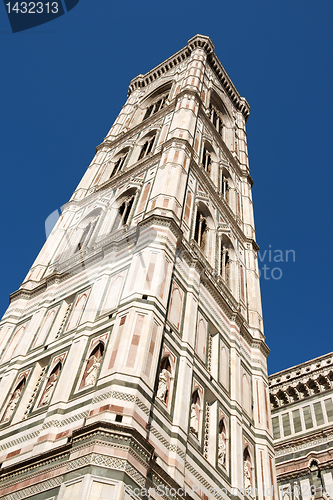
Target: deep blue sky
(64,83)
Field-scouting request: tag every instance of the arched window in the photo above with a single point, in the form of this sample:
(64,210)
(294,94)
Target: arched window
(13,401)
(207,160)
(85,237)
(119,164)
(204,232)
(200,230)
(225,187)
(226,258)
(225,264)
(125,209)
(126,202)
(92,366)
(156,106)
(86,229)
(216,118)
(147,147)
(50,385)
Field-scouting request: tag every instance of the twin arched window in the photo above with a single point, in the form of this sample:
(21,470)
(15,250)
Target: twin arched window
(86,229)
(200,230)
(118,166)
(215,116)
(207,160)
(156,106)
(147,147)
(125,207)
(225,261)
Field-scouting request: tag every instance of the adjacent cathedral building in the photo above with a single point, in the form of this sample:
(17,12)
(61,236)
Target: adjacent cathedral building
(302,417)
(133,362)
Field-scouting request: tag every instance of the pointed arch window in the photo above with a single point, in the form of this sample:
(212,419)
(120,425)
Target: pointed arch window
(216,118)
(200,230)
(125,209)
(118,166)
(225,264)
(225,188)
(86,235)
(147,147)
(156,106)
(207,160)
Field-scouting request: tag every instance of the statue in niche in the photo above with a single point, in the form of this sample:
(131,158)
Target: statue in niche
(222,448)
(195,414)
(50,385)
(162,385)
(93,371)
(164,381)
(247,476)
(92,367)
(13,402)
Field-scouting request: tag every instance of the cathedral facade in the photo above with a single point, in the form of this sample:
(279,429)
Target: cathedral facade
(133,360)
(302,416)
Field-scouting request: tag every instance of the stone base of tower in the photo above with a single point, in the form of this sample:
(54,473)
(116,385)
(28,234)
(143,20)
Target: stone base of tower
(100,461)
(104,461)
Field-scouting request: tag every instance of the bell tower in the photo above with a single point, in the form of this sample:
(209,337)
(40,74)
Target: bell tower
(133,359)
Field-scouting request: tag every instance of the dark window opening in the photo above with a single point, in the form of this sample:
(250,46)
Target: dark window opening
(86,235)
(118,165)
(216,118)
(225,264)
(207,161)
(119,418)
(200,230)
(125,210)
(156,106)
(225,188)
(147,148)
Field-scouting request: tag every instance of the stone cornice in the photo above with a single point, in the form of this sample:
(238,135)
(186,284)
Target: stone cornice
(204,43)
(296,443)
(308,367)
(130,173)
(307,380)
